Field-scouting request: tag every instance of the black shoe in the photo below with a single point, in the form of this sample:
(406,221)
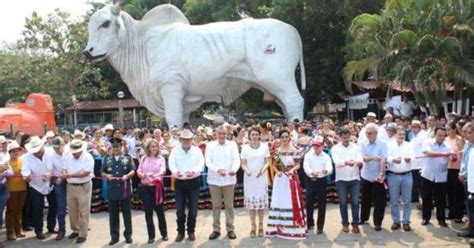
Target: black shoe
(378,228)
(466,235)
(113,242)
(80,240)
(231,235)
(27,229)
(191,236)
(164,238)
(179,238)
(214,235)
(442,223)
(40,236)
(425,222)
(310,228)
(406,227)
(319,231)
(151,241)
(73,235)
(129,240)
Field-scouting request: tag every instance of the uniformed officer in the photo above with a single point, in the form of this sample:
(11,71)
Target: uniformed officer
(118,168)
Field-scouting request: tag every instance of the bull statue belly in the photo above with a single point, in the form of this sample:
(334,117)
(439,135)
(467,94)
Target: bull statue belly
(172,67)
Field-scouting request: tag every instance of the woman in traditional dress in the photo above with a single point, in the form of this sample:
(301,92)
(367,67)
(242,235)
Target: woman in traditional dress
(254,160)
(286,218)
(98,147)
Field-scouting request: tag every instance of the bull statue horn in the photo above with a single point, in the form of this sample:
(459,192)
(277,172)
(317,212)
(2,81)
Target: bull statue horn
(116,8)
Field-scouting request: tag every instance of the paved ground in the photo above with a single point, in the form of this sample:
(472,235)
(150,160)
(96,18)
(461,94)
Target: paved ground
(421,236)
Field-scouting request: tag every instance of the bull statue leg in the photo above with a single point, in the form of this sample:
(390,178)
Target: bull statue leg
(173,102)
(288,97)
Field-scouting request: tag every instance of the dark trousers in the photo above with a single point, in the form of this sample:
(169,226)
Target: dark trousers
(416,190)
(187,194)
(148,198)
(316,192)
(114,220)
(27,211)
(61,199)
(469,208)
(3,201)
(455,191)
(428,189)
(373,191)
(37,200)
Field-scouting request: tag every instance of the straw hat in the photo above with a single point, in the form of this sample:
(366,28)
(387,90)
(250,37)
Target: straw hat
(76,146)
(3,139)
(13,146)
(79,133)
(34,145)
(186,134)
(49,134)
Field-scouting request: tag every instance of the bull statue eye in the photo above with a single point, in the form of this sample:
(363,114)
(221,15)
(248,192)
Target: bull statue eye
(106,24)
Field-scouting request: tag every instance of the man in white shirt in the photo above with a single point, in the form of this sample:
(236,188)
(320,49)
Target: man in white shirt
(406,107)
(35,171)
(435,176)
(372,118)
(419,138)
(78,173)
(399,179)
(317,165)
(347,158)
(186,162)
(4,156)
(466,176)
(222,160)
(56,168)
(387,119)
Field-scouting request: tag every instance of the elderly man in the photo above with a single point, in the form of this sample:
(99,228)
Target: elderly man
(35,171)
(348,159)
(399,179)
(118,168)
(317,166)
(466,176)
(186,162)
(56,168)
(374,152)
(387,119)
(391,132)
(372,118)
(78,171)
(222,160)
(434,176)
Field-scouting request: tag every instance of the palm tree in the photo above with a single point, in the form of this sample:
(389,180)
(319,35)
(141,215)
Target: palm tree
(423,44)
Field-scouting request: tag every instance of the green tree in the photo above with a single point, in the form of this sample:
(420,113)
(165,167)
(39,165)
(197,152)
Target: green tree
(424,44)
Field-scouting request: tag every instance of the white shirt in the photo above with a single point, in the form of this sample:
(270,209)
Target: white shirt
(84,163)
(317,163)
(403,150)
(56,164)
(255,158)
(340,155)
(37,168)
(436,169)
(4,157)
(222,156)
(417,144)
(381,135)
(182,161)
(470,173)
(406,108)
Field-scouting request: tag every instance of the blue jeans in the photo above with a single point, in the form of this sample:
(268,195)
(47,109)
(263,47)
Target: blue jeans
(3,201)
(61,199)
(400,184)
(37,201)
(343,189)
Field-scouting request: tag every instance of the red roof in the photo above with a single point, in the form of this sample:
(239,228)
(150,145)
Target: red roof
(105,105)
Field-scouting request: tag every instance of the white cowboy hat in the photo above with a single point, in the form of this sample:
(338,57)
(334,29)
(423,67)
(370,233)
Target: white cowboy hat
(77,132)
(371,114)
(34,145)
(186,134)
(14,145)
(3,139)
(49,134)
(109,127)
(76,146)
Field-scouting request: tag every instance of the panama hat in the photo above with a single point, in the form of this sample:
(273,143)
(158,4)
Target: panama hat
(13,146)
(3,139)
(77,133)
(186,134)
(76,146)
(34,145)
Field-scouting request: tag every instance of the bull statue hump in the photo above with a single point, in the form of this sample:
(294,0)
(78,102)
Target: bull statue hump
(172,67)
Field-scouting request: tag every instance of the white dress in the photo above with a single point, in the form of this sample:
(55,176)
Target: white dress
(286,201)
(255,189)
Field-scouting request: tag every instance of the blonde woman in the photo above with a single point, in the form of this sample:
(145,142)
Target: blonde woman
(151,171)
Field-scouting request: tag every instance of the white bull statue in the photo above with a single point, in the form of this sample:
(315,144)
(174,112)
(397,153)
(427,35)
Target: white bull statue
(172,67)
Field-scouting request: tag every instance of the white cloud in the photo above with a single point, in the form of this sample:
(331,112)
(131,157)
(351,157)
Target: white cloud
(13,13)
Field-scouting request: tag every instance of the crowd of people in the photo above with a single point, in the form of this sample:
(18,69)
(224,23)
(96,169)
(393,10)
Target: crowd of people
(285,170)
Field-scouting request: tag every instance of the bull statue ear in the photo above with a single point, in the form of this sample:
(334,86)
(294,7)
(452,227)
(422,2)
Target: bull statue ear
(116,8)
(121,30)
